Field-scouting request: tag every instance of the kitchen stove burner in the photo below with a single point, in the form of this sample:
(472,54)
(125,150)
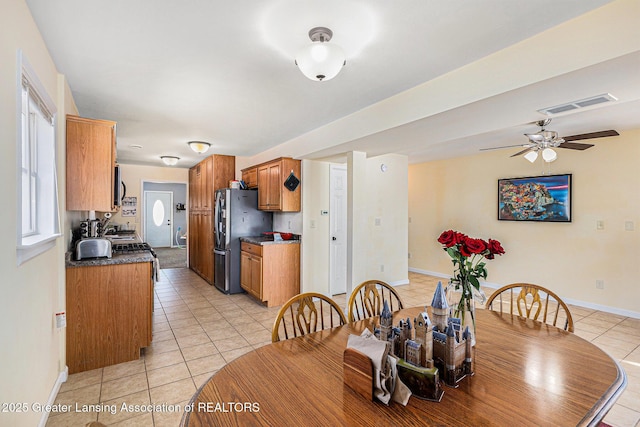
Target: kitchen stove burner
(129,248)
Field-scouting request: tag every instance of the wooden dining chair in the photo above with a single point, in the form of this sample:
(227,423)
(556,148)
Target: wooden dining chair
(533,302)
(306,313)
(368,297)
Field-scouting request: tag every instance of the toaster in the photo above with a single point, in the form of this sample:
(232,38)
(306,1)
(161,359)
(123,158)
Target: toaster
(93,248)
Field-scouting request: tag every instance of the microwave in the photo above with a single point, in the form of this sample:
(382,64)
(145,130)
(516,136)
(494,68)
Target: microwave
(119,189)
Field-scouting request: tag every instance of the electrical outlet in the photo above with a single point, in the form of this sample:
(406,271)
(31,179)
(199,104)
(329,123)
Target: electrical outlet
(381,268)
(599,284)
(378,221)
(599,224)
(628,226)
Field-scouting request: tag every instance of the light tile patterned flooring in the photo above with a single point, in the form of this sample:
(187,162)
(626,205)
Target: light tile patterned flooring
(197,330)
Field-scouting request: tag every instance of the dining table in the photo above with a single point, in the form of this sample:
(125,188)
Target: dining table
(526,373)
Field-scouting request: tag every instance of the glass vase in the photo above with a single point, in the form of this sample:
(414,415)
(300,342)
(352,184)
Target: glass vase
(461,298)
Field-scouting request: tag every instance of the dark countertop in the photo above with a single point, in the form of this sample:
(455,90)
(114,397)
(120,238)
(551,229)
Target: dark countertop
(115,259)
(267,240)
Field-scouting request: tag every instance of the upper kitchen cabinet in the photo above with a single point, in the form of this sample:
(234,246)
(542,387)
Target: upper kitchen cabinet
(273,193)
(206,177)
(91,159)
(250,177)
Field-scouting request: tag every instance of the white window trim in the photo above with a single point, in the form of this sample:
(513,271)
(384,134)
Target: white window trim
(30,246)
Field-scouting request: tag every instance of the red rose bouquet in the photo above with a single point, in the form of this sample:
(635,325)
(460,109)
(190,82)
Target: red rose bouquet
(468,255)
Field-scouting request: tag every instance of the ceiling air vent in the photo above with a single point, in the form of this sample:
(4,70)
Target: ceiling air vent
(588,102)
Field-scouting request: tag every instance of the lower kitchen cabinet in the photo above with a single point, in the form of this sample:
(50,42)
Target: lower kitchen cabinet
(109,314)
(270,272)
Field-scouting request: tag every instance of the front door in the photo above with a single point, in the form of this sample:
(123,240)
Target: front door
(158,218)
(338,230)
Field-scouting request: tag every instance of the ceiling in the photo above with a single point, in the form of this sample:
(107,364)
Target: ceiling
(425,78)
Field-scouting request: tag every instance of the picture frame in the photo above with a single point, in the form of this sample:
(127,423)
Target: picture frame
(545,198)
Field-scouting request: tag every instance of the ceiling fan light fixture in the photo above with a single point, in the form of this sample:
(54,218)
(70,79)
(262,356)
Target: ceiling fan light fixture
(170,160)
(531,156)
(321,60)
(199,146)
(549,155)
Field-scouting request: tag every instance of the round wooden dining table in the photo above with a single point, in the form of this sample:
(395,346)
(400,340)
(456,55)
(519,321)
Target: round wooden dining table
(527,373)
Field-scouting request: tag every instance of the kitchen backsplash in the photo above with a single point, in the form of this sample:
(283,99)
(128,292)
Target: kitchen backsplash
(289,222)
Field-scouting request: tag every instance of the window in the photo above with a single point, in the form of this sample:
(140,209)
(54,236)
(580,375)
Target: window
(38,217)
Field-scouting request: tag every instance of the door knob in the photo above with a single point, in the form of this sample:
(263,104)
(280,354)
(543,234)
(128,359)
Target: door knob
(334,238)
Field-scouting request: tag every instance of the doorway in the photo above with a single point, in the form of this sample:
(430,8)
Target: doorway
(158,218)
(338,229)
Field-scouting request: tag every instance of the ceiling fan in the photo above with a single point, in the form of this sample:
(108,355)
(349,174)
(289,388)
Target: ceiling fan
(545,141)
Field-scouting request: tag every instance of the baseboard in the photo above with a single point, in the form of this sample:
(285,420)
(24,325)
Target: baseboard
(578,303)
(62,377)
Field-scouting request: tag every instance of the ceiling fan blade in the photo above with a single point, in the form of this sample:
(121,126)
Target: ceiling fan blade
(505,146)
(575,145)
(521,152)
(601,134)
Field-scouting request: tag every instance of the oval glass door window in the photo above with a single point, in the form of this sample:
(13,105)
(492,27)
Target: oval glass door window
(158,213)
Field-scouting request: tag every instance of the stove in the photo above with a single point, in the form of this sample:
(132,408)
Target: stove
(131,248)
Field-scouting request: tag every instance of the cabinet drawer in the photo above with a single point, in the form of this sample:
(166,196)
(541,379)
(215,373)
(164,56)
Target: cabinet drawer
(251,248)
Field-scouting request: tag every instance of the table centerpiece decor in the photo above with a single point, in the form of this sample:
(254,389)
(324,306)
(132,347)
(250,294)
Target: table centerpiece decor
(468,255)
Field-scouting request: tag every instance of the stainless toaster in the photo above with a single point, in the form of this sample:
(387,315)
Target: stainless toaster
(93,248)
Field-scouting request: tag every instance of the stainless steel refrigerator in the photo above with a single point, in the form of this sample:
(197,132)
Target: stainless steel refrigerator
(236,215)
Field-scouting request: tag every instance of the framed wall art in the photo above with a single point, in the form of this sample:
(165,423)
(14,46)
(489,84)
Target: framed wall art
(544,198)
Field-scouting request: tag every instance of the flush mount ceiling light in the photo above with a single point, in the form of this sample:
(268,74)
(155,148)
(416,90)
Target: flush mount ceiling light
(199,146)
(320,60)
(170,160)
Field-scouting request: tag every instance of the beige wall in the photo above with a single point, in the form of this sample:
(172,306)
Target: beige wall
(567,257)
(32,349)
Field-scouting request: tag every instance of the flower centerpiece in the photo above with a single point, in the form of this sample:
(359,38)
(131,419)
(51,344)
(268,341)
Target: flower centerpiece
(468,255)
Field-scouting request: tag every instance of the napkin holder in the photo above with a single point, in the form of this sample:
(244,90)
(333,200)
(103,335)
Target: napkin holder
(358,372)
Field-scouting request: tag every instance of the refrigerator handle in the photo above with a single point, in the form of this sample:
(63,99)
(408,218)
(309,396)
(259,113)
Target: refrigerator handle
(219,252)
(216,224)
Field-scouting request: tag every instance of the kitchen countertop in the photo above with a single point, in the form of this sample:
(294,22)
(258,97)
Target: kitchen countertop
(267,240)
(115,259)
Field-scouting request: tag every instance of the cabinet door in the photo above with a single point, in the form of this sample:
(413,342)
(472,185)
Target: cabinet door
(275,187)
(91,151)
(263,187)
(245,271)
(250,177)
(255,264)
(206,248)
(192,242)
(206,184)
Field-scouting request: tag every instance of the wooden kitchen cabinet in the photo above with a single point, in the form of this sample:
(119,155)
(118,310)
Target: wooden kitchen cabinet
(272,194)
(250,177)
(205,178)
(91,160)
(251,274)
(270,272)
(109,314)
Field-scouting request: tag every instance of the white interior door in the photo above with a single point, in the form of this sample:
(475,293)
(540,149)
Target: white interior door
(158,218)
(338,230)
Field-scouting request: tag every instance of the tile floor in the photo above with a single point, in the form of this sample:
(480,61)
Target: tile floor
(197,330)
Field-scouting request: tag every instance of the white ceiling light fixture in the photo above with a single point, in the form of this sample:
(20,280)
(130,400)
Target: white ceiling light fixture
(199,146)
(170,160)
(321,60)
(531,156)
(549,155)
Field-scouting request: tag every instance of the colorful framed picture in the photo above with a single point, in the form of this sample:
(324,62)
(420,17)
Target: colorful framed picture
(539,198)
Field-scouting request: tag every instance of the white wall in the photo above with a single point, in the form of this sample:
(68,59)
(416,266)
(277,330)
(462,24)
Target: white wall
(372,194)
(567,257)
(32,350)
